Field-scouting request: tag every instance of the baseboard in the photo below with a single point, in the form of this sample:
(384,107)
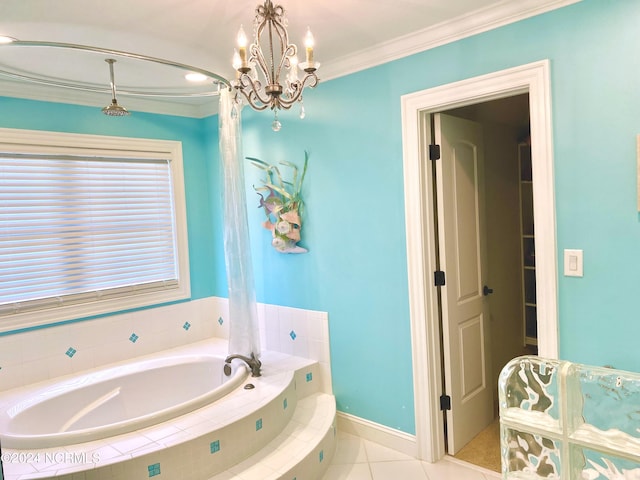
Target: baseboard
(388,437)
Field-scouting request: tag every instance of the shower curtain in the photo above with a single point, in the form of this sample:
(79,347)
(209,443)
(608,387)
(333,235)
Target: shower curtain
(243,316)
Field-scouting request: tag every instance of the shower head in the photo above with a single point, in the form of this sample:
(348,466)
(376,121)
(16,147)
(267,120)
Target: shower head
(113,110)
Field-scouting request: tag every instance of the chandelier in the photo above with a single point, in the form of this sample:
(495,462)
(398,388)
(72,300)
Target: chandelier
(261,66)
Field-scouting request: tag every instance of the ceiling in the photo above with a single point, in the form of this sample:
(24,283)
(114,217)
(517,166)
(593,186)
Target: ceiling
(350,35)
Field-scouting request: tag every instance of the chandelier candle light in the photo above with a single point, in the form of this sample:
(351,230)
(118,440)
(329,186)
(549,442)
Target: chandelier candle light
(258,72)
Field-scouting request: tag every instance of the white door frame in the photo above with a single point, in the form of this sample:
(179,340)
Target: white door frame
(419,218)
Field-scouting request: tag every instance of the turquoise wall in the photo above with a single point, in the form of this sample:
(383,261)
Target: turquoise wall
(355,231)
(354,227)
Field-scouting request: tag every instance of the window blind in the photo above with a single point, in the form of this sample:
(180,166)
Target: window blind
(75,228)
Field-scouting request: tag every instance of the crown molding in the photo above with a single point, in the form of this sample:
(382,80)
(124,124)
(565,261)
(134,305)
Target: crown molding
(198,108)
(473,23)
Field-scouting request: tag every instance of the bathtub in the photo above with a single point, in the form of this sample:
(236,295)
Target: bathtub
(112,401)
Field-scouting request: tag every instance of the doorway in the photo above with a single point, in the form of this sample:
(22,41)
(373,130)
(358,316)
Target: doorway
(428,354)
(506,289)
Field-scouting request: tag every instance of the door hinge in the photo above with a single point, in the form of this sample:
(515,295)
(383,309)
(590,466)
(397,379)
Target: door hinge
(438,278)
(434,152)
(445,402)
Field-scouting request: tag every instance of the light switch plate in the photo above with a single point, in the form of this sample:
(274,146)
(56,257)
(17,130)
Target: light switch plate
(573,263)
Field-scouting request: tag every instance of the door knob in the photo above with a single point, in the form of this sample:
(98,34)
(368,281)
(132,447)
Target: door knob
(487,291)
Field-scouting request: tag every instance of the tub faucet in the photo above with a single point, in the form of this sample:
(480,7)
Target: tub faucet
(253,363)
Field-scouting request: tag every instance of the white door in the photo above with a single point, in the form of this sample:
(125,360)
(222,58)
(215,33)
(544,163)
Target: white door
(464,306)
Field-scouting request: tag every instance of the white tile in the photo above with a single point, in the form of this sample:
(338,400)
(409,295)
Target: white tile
(160,432)
(315,325)
(40,346)
(105,454)
(122,349)
(10,377)
(58,366)
(287,317)
(272,317)
(272,340)
(106,353)
(106,330)
(316,350)
(226,475)
(299,320)
(131,442)
(379,453)
(248,471)
(11,350)
(349,449)
(286,342)
(357,471)
(33,371)
(404,469)
(83,333)
(447,470)
(325,378)
(300,346)
(83,359)
(12,465)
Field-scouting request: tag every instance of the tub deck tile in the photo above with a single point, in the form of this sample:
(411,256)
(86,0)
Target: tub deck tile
(130,443)
(195,432)
(160,433)
(304,447)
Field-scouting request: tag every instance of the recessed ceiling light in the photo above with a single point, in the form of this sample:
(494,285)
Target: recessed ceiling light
(196,77)
(5,39)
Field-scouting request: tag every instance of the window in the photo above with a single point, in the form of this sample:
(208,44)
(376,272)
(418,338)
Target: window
(88,225)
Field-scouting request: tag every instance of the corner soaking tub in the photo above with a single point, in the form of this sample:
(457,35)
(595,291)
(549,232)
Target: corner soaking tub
(113,400)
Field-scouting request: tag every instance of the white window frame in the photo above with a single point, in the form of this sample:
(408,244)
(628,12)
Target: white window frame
(42,142)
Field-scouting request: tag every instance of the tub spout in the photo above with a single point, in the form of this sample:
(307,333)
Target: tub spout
(253,363)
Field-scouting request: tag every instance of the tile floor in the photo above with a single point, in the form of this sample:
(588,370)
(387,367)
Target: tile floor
(358,459)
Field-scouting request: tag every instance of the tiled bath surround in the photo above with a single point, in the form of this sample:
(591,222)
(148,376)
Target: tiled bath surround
(46,353)
(41,354)
(282,429)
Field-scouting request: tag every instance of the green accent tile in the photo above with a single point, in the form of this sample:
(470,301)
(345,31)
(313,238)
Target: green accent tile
(309,377)
(154,469)
(214,446)
(258,424)
(285,404)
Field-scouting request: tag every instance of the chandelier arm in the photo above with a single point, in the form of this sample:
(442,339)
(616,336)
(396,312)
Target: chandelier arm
(252,102)
(260,63)
(253,91)
(285,61)
(256,55)
(297,88)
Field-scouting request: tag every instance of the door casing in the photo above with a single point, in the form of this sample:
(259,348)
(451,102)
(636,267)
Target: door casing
(533,79)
